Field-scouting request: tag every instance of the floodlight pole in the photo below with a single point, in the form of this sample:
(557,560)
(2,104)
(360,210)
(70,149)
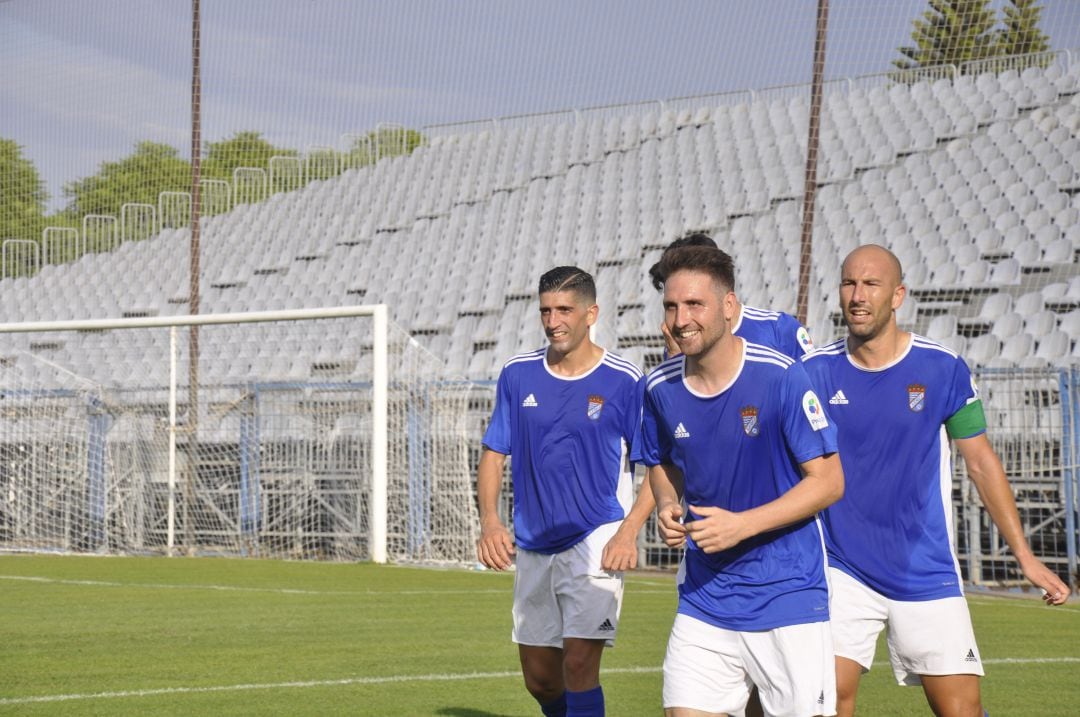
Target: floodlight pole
(806,243)
(193,297)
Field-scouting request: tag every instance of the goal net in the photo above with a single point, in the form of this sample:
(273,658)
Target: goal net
(105,447)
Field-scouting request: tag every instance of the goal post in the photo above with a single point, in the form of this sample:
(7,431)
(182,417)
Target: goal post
(318,433)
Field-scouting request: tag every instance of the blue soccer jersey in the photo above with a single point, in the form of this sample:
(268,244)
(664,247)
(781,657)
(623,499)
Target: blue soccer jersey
(893,529)
(739,449)
(774,329)
(572,440)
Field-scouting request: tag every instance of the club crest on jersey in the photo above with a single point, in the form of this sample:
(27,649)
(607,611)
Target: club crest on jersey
(750,424)
(916,397)
(596,404)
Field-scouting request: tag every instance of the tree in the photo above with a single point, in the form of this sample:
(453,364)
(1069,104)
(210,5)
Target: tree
(22,195)
(139,177)
(244,149)
(383,142)
(949,33)
(1021,34)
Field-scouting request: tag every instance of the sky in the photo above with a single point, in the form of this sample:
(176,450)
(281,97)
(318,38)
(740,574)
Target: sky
(84,80)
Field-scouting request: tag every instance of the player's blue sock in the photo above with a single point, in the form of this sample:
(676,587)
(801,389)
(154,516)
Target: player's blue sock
(555,708)
(589,703)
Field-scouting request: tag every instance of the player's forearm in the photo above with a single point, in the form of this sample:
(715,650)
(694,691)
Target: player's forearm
(665,488)
(986,472)
(642,507)
(821,486)
(489,477)
(996,495)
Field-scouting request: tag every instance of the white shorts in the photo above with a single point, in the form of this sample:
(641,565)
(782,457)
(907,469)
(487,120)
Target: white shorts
(711,669)
(927,637)
(567,594)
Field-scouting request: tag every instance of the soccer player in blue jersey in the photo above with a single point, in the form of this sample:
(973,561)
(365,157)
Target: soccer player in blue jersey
(897,398)
(774,329)
(735,429)
(570,416)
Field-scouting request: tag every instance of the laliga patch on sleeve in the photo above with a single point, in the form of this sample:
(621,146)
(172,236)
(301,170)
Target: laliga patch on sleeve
(815,414)
(803,337)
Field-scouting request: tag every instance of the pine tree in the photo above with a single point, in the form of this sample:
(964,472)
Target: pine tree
(1021,34)
(949,33)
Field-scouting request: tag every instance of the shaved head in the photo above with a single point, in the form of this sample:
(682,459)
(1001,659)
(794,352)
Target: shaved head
(871,291)
(892,271)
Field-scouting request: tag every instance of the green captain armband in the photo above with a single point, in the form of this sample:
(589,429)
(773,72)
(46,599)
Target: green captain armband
(966,422)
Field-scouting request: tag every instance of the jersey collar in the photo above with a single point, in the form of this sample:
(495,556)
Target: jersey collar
(886,367)
(579,376)
(699,394)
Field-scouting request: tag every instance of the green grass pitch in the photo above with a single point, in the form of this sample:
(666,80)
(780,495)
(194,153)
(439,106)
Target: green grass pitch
(157,636)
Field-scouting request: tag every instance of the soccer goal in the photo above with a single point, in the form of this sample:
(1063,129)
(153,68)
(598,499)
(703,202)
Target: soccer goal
(315,433)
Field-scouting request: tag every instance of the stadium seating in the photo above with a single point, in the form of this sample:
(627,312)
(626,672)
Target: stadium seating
(972,181)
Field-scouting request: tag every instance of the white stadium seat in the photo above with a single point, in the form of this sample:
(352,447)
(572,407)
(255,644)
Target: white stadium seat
(983,349)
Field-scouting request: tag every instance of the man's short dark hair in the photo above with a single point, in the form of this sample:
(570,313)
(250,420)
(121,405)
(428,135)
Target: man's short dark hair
(692,239)
(570,278)
(708,260)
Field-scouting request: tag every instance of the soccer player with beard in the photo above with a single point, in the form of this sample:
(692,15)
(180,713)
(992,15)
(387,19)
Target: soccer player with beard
(735,429)
(897,398)
(570,415)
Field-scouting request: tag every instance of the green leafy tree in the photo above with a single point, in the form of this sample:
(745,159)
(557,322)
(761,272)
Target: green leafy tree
(949,33)
(244,149)
(383,142)
(1021,34)
(22,195)
(152,168)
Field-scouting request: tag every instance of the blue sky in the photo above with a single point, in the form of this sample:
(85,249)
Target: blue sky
(84,80)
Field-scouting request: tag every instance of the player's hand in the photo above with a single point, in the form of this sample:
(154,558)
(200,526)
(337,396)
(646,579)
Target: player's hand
(717,529)
(669,525)
(495,549)
(669,341)
(1055,592)
(620,553)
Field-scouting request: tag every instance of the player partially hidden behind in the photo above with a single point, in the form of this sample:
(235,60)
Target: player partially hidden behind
(570,416)
(897,398)
(774,329)
(735,429)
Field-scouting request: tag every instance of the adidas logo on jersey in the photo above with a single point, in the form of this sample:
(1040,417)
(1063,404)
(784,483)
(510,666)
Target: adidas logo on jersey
(971,657)
(681,432)
(529,402)
(838,399)
(606,626)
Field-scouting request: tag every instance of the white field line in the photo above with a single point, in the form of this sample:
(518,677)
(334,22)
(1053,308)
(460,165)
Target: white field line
(283,591)
(634,586)
(397,679)
(241,589)
(1031,603)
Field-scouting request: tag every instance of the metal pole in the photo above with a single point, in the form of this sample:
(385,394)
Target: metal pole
(810,186)
(171,544)
(1069,388)
(193,298)
(377,516)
